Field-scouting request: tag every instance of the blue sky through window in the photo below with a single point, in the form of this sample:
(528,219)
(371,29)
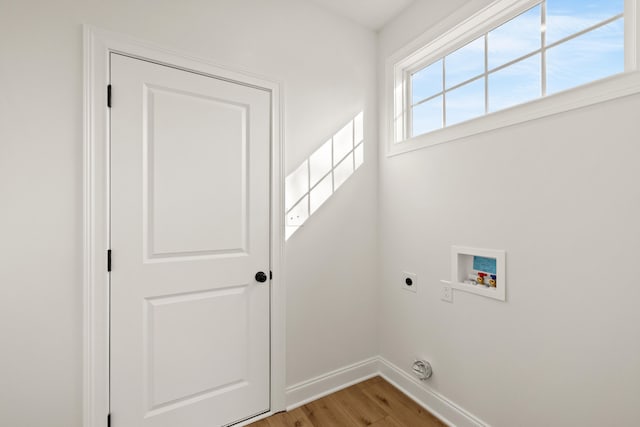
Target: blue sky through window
(465,102)
(465,63)
(427,82)
(515,84)
(515,38)
(567,17)
(591,56)
(427,116)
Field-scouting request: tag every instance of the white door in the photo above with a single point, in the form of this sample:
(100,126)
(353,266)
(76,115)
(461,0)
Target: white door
(190,196)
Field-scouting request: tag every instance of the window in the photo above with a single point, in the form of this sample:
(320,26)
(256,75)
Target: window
(510,53)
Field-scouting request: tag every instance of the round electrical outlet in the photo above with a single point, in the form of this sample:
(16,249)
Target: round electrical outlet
(422,370)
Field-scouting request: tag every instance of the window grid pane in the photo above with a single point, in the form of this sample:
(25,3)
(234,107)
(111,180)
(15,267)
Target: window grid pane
(527,62)
(586,58)
(427,117)
(466,102)
(567,17)
(426,82)
(515,38)
(465,63)
(515,84)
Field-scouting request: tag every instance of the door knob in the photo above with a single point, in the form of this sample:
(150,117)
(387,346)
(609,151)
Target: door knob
(261,277)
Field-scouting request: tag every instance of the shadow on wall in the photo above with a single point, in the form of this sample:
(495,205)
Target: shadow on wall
(319,176)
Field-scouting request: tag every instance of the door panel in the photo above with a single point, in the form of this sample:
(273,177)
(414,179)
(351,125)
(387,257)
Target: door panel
(185,155)
(189,230)
(184,335)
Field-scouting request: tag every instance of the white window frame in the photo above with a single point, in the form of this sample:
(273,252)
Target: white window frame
(464,26)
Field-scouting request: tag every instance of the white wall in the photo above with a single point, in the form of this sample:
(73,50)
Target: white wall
(562,351)
(328,69)
(561,196)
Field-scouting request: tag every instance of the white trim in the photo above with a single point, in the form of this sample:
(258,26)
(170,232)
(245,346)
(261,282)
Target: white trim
(444,409)
(322,385)
(98,44)
(447,411)
(466,24)
(465,31)
(95,286)
(631,10)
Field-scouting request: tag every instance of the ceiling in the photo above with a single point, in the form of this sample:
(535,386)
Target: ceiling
(372,14)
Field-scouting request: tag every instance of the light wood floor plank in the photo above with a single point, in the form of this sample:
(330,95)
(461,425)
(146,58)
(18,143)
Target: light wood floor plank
(293,418)
(297,418)
(403,409)
(373,402)
(327,412)
(277,420)
(387,421)
(359,407)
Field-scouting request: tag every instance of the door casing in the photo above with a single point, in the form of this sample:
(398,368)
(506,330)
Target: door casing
(98,44)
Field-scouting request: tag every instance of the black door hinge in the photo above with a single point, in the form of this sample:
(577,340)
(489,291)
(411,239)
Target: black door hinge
(108,259)
(108,420)
(270,275)
(109,96)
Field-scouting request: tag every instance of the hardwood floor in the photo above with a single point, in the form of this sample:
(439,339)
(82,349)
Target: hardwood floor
(374,402)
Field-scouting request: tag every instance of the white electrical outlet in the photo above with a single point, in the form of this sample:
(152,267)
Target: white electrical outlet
(409,282)
(447,293)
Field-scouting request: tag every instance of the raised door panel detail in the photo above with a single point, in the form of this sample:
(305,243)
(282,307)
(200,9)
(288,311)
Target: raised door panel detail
(196,175)
(197,346)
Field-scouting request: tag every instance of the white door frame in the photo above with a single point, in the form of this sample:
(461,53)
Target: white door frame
(98,44)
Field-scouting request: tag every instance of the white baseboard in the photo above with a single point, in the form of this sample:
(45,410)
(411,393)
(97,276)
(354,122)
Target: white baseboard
(315,388)
(320,386)
(441,407)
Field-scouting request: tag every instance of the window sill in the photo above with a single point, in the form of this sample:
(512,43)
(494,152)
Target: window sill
(614,87)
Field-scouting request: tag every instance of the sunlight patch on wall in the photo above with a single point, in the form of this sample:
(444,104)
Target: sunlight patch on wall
(320,175)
